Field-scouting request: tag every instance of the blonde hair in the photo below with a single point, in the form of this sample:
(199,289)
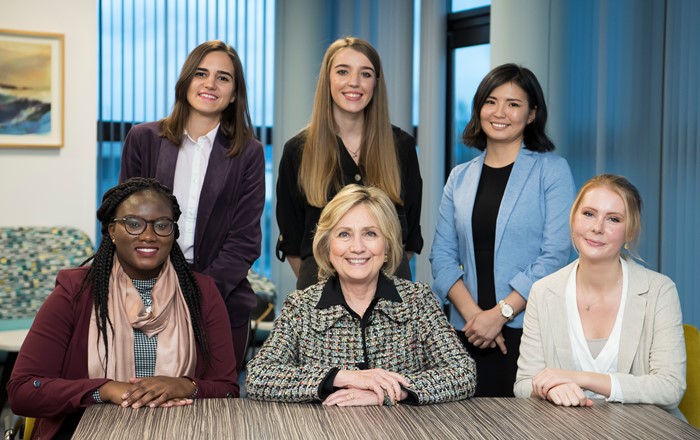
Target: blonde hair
(320,161)
(379,206)
(631,199)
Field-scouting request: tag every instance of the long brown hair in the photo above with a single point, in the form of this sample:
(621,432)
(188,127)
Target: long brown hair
(236,124)
(320,161)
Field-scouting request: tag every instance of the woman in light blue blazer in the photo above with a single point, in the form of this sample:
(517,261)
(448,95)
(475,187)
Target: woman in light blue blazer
(503,223)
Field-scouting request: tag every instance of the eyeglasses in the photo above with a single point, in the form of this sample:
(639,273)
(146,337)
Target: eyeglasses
(134,225)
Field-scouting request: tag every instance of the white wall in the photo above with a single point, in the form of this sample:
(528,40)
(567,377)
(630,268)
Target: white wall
(46,187)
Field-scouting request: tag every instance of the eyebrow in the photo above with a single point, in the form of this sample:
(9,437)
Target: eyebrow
(347,66)
(220,72)
(607,213)
(507,99)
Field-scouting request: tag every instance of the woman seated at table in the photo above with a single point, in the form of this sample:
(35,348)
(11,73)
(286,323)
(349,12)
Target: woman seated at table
(604,326)
(361,336)
(135,328)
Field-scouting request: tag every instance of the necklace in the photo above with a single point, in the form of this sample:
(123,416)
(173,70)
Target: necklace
(586,292)
(355,154)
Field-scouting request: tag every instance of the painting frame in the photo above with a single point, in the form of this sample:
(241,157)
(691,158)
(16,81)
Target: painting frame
(32,89)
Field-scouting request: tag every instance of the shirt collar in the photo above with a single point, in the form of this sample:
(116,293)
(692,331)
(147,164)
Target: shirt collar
(332,295)
(211,135)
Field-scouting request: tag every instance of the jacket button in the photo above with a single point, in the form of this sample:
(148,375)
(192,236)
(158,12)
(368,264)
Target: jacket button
(37,383)
(229,395)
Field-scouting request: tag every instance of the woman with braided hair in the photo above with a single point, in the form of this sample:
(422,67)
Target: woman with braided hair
(135,328)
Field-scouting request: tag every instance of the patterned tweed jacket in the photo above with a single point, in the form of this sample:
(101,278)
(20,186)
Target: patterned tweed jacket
(406,333)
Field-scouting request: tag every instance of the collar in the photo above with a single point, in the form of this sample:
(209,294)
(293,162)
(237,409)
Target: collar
(211,135)
(332,294)
(332,307)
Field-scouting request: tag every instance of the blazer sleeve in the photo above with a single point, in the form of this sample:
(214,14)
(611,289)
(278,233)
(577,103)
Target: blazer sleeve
(132,161)
(241,246)
(445,256)
(412,184)
(555,248)
(664,384)
(276,372)
(532,358)
(449,373)
(218,378)
(291,203)
(38,386)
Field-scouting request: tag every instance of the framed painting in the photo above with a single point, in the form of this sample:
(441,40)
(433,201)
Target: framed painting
(31,89)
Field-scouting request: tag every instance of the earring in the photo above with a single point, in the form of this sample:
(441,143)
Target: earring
(386,258)
(113,240)
(627,246)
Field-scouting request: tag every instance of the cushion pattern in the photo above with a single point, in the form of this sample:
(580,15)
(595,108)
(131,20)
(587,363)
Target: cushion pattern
(30,259)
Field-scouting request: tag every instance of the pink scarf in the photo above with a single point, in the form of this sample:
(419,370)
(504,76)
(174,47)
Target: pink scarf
(169,319)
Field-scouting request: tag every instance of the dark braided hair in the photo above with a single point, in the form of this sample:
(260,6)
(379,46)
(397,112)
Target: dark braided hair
(101,267)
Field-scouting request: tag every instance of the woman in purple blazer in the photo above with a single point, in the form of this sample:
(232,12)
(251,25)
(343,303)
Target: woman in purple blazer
(206,151)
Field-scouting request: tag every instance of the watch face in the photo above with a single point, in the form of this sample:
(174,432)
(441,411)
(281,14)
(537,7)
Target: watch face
(507,310)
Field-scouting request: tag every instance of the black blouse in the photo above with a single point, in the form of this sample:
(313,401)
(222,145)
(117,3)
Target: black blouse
(489,193)
(297,219)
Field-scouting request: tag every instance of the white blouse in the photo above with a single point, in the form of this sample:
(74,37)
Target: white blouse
(606,361)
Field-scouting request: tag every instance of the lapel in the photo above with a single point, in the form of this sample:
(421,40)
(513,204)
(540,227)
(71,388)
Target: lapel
(217,170)
(635,312)
(558,323)
(167,160)
(516,183)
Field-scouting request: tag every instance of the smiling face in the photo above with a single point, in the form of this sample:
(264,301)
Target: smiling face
(505,114)
(212,87)
(357,247)
(599,225)
(143,255)
(352,82)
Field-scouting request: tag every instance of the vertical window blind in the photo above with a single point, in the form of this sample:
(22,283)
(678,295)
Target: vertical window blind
(142,46)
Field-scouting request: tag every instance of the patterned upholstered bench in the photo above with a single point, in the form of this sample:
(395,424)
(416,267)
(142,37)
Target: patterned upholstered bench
(30,258)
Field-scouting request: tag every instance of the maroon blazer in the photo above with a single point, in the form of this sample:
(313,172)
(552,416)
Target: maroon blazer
(50,379)
(227,234)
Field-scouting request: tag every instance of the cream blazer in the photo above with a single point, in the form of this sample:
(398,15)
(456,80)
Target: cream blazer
(651,361)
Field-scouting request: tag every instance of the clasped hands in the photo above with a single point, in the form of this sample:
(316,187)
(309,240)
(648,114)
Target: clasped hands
(483,329)
(559,387)
(367,387)
(157,391)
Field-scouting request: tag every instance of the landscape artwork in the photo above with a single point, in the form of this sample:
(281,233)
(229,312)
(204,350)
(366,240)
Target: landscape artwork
(31,89)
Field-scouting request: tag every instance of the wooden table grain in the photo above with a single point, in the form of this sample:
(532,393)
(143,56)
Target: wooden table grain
(480,418)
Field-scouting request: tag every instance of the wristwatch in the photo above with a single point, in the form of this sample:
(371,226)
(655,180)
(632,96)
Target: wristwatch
(506,310)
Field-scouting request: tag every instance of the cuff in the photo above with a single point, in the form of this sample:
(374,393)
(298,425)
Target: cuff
(326,387)
(616,394)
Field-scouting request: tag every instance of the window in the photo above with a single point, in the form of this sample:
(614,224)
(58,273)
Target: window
(142,46)
(468,61)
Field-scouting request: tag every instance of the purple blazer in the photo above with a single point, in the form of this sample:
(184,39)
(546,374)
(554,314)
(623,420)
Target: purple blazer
(227,234)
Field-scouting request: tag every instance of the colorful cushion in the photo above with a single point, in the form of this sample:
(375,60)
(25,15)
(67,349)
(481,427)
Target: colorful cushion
(30,258)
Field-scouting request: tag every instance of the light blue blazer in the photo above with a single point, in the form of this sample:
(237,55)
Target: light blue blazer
(532,228)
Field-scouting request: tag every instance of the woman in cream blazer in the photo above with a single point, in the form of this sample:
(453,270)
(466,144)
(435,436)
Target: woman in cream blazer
(604,326)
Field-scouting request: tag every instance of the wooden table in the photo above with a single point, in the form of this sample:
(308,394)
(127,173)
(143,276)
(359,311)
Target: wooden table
(472,419)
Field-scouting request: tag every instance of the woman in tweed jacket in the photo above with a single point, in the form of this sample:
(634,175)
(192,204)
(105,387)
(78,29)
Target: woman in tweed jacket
(361,337)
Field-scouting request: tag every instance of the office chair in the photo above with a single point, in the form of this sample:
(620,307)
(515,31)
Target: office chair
(690,405)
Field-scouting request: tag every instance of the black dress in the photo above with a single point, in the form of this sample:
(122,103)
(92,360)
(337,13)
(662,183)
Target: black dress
(495,371)
(297,219)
